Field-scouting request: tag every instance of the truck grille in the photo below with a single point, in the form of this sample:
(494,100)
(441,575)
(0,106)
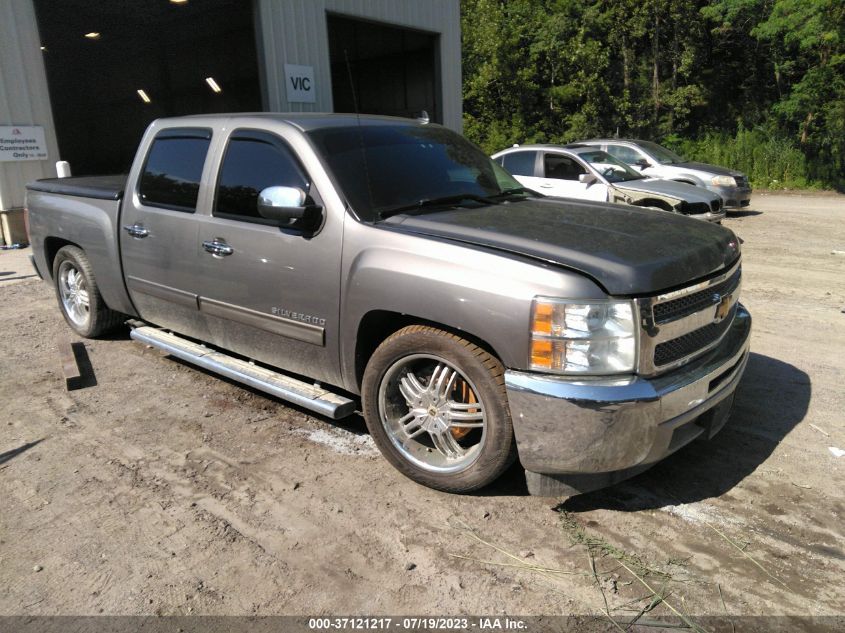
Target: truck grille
(716,205)
(677,348)
(681,325)
(688,304)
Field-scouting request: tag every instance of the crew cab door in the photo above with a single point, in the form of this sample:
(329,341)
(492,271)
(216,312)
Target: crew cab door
(158,229)
(560,178)
(267,292)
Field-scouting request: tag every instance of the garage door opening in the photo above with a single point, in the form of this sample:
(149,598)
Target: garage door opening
(113,67)
(394,71)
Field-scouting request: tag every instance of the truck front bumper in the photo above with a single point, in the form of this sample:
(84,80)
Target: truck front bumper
(594,432)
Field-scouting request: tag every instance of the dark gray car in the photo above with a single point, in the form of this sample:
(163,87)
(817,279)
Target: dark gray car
(655,160)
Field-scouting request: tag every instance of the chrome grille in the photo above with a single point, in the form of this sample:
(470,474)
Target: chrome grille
(681,325)
(716,205)
(741,181)
(682,346)
(677,308)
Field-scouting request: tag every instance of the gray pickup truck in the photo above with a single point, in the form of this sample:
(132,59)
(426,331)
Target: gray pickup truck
(339,261)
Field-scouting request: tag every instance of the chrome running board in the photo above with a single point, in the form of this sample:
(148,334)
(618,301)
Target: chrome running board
(309,396)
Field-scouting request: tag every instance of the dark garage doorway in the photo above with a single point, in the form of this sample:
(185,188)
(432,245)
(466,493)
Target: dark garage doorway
(394,70)
(99,54)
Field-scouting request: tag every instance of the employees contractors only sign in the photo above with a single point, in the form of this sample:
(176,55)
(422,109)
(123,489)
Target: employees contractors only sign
(22,142)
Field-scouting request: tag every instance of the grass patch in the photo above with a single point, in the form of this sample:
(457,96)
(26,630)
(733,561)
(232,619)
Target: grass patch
(769,161)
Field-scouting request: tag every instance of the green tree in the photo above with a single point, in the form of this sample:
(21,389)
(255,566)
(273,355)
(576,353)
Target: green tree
(725,72)
(811,35)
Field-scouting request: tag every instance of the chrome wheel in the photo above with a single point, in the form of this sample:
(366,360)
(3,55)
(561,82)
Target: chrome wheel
(432,414)
(73,291)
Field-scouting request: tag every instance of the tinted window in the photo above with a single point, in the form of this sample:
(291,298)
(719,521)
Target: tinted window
(387,166)
(171,177)
(520,163)
(562,167)
(253,163)
(625,154)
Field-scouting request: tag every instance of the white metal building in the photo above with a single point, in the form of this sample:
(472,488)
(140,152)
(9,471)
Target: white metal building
(81,79)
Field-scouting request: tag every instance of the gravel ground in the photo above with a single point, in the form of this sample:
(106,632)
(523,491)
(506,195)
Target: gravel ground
(160,489)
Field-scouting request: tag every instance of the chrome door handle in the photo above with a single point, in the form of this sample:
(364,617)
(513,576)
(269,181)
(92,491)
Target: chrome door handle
(218,248)
(136,230)
(546,185)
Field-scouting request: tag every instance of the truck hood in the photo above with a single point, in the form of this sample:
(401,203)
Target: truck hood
(679,190)
(626,250)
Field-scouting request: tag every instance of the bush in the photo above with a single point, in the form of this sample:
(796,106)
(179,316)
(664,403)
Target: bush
(768,161)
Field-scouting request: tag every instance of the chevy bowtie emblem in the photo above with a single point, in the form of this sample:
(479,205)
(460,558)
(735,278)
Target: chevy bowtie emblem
(723,309)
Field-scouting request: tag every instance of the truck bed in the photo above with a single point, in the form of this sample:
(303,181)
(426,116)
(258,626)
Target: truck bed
(98,187)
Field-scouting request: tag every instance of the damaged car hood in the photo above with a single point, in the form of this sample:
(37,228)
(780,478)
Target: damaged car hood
(667,189)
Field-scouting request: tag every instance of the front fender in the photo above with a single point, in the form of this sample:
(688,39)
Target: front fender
(482,292)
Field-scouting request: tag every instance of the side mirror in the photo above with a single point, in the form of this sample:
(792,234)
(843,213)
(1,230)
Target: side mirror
(286,205)
(587,179)
(642,163)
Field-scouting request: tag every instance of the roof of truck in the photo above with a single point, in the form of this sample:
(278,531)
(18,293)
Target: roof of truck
(305,121)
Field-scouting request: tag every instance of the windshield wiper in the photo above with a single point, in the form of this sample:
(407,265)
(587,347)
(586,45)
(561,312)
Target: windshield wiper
(442,201)
(517,191)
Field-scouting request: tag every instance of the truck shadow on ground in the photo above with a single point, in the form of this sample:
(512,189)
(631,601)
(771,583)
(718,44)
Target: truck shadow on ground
(772,399)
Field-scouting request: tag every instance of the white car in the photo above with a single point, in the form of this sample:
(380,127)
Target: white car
(588,173)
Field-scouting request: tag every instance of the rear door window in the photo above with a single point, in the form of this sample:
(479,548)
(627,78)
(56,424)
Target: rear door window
(173,169)
(520,163)
(253,161)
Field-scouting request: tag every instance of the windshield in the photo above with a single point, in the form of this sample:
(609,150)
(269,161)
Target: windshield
(661,154)
(384,167)
(611,169)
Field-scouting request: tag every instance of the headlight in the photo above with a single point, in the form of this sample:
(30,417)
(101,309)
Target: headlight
(723,181)
(570,337)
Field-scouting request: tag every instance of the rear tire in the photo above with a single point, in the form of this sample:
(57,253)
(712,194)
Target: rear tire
(79,297)
(436,407)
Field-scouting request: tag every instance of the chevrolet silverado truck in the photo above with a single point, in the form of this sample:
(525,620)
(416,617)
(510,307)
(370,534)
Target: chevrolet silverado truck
(349,263)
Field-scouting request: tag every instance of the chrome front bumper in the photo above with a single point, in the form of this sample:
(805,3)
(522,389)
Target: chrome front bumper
(619,426)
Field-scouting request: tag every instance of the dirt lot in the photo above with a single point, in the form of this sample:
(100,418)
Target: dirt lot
(163,490)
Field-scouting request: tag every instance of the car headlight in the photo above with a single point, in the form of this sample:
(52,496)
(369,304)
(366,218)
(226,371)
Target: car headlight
(723,181)
(575,337)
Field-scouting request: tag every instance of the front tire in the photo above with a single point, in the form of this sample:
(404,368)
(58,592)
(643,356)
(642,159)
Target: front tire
(436,406)
(79,297)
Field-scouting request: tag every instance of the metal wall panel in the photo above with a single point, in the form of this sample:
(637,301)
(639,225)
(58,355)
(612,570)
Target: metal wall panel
(295,32)
(24,99)
(289,31)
